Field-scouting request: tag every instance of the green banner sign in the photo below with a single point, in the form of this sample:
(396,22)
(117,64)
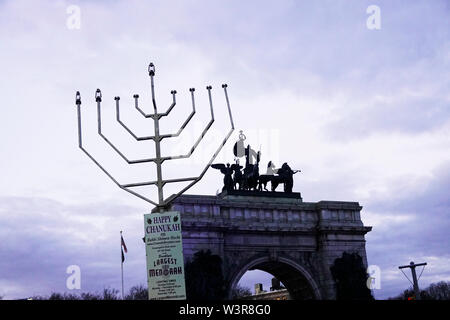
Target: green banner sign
(164,250)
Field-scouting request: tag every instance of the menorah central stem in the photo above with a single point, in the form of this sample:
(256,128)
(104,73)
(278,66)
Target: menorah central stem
(158,161)
(153,94)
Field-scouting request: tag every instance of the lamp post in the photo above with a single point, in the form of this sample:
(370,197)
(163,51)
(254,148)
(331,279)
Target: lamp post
(413,266)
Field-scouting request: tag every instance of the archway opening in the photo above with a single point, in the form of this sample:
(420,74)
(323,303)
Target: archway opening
(294,280)
(258,283)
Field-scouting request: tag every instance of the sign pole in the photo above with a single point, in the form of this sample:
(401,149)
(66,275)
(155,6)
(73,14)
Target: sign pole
(121,260)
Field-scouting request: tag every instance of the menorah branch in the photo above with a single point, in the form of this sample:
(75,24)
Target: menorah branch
(187,155)
(125,126)
(193,180)
(136,105)
(173,92)
(185,122)
(80,145)
(99,126)
(224,141)
(153,115)
(149,183)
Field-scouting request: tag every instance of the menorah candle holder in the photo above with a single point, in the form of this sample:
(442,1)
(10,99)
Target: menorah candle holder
(157,138)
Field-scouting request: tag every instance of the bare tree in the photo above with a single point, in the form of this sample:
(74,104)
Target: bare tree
(139,292)
(240,292)
(435,291)
(439,291)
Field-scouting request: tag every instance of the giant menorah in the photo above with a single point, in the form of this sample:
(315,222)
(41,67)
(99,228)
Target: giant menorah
(157,138)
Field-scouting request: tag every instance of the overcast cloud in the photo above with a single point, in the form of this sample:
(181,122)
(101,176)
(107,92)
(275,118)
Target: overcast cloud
(364,113)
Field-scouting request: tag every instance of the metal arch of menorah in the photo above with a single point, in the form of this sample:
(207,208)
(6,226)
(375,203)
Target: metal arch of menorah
(157,138)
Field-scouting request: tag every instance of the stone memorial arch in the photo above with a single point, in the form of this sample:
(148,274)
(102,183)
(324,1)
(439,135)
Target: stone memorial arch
(275,232)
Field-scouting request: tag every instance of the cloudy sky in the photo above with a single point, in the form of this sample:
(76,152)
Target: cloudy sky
(363,112)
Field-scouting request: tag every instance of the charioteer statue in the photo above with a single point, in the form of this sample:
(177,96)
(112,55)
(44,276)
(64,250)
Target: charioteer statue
(249,178)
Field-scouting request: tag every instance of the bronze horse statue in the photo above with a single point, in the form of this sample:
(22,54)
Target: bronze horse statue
(251,177)
(284,175)
(251,171)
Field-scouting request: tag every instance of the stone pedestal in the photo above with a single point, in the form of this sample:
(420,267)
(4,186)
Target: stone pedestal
(295,241)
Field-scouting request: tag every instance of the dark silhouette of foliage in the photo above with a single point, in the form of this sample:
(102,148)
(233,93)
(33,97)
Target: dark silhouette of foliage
(64,296)
(137,293)
(90,296)
(350,277)
(409,294)
(110,294)
(204,278)
(241,292)
(435,291)
(438,291)
(107,294)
